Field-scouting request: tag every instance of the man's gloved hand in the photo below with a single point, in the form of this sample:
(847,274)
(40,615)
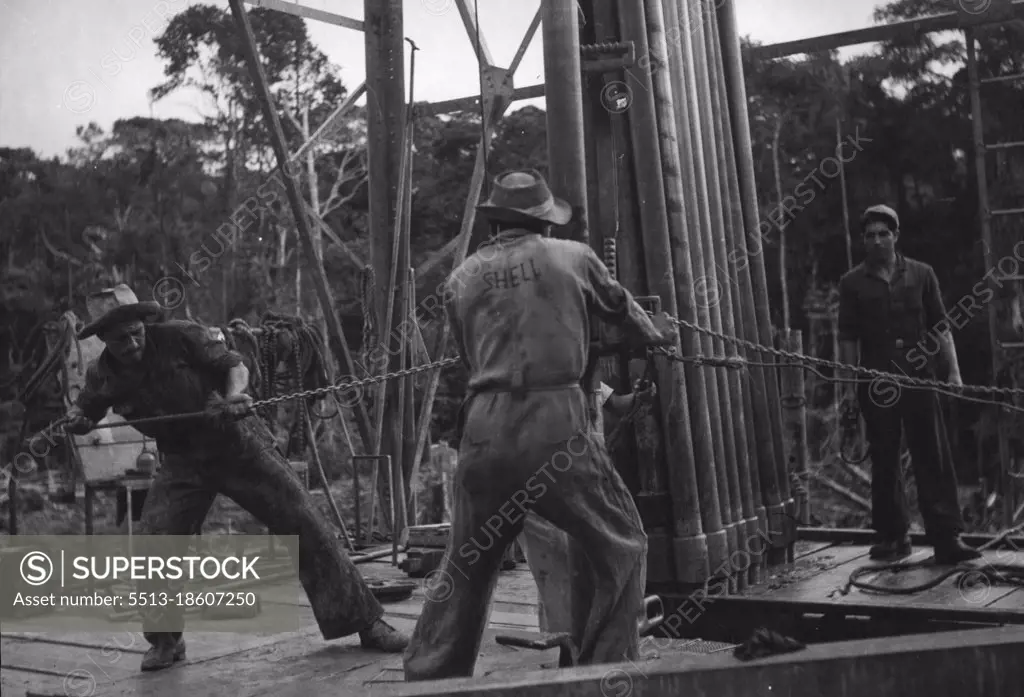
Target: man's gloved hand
(79,424)
(235,407)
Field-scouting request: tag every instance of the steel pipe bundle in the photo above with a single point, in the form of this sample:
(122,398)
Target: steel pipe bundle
(670,179)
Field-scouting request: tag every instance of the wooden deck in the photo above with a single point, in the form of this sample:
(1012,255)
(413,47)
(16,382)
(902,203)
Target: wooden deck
(83,664)
(820,570)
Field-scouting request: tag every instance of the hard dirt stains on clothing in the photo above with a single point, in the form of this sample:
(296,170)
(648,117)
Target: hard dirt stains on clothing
(182,364)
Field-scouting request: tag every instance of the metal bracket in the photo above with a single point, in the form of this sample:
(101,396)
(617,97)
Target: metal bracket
(497,82)
(607,57)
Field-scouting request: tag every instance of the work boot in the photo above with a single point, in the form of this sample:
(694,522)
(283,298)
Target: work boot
(952,550)
(383,637)
(164,655)
(892,550)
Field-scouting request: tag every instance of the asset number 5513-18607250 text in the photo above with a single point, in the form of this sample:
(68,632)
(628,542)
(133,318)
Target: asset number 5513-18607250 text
(191,599)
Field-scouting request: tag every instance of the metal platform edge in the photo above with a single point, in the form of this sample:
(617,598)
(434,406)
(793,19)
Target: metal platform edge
(978,663)
(869,537)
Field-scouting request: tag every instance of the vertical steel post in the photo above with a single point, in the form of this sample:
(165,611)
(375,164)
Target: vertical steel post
(385,122)
(563,80)
(985,219)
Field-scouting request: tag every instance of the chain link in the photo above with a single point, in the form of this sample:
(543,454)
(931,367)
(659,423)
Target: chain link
(349,384)
(869,372)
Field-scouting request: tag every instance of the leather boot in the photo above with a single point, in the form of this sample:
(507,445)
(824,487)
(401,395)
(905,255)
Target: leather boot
(952,550)
(383,637)
(892,550)
(164,654)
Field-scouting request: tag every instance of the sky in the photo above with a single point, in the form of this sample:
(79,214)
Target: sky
(64,63)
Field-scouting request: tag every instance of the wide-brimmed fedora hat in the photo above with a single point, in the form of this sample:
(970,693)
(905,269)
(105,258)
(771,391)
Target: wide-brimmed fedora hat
(523,195)
(113,306)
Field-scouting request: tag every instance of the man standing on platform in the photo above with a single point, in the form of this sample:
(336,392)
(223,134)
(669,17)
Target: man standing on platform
(151,369)
(888,306)
(520,310)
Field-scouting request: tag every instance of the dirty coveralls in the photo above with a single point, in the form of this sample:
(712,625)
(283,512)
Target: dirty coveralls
(897,325)
(548,551)
(521,309)
(182,366)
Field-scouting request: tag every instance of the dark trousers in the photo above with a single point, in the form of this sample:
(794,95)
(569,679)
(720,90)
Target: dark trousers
(915,412)
(259,479)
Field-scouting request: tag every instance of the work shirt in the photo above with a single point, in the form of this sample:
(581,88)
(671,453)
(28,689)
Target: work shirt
(182,364)
(520,309)
(889,318)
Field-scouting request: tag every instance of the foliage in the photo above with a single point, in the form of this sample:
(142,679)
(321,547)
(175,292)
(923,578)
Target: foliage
(146,200)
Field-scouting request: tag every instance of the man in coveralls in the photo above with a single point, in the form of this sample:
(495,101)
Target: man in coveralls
(521,309)
(154,369)
(547,548)
(889,307)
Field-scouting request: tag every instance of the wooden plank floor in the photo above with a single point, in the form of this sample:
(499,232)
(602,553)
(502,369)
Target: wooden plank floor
(82,664)
(820,570)
(70,663)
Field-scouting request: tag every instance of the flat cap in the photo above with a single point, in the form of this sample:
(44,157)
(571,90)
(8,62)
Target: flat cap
(880,212)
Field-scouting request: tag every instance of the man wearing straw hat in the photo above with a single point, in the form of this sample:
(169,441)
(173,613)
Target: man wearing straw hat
(150,369)
(521,309)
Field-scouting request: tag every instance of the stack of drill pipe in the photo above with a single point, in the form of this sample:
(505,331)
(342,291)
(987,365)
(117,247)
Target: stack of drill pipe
(749,267)
(699,541)
(735,295)
(639,453)
(670,265)
(682,73)
(706,73)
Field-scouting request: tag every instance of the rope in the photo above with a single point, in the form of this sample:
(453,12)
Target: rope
(993,574)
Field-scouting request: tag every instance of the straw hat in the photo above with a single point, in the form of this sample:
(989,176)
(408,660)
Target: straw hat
(524,195)
(113,306)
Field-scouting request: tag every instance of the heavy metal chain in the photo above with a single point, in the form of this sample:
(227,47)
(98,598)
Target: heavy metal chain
(350,384)
(304,394)
(868,372)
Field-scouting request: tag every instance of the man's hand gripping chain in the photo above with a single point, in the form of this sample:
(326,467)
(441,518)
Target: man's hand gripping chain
(218,407)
